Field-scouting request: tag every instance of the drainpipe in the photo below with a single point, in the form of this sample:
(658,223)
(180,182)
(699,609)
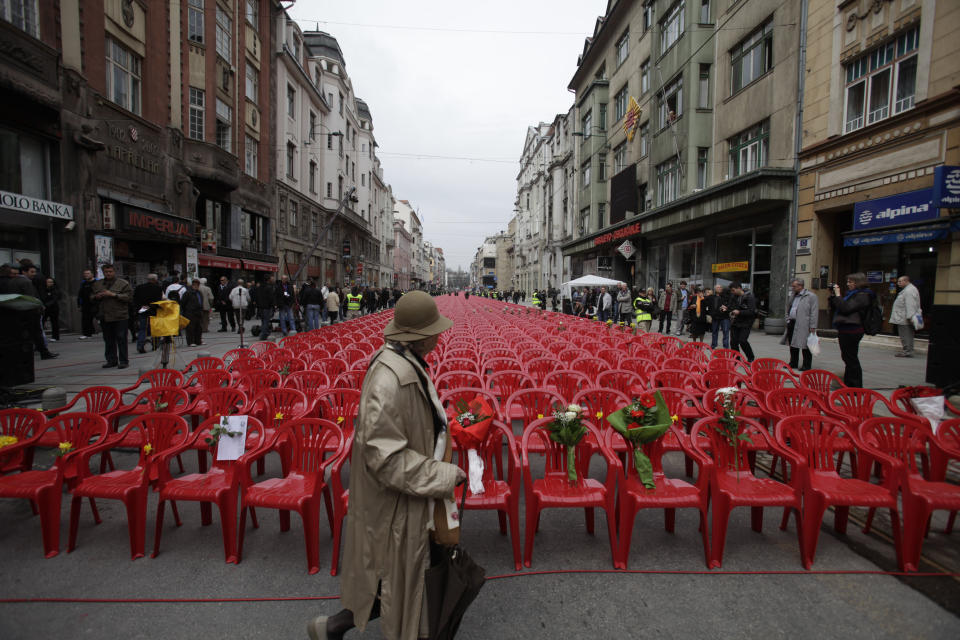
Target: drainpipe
(798,143)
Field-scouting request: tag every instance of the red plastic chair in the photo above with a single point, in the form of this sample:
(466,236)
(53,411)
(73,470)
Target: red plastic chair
(821,381)
(204,364)
(350,379)
(44,488)
(220,485)
(900,399)
(261,348)
(255,382)
(814,440)
(766,380)
(450,397)
(771,364)
(100,400)
(339,406)
(207,380)
(718,379)
(641,366)
(505,383)
(274,408)
(568,382)
(948,448)
(699,351)
(553,490)
(501,495)
(529,405)
(315,444)
(350,355)
(894,443)
(156,378)
(729,364)
(589,366)
(611,356)
(669,494)
(286,366)
(684,364)
(457,380)
(498,352)
(236,354)
(154,400)
(160,431)
(677,379)
(854,406)
(600,403)
(310,382)
(538,368)
(330,366)
(729,354)
(22,424)
(732,484)
(622,380)
(209,404)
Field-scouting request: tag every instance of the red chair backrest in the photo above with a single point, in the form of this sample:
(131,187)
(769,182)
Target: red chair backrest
(20,423)
(948,437)
(676,379)
(238,353)
(728,354)
(317,443)
(241,365)
(774,364)
(683,364)
(162,400)
(100,400)
(160,431)
(898,437)
(79,428)
(225,401)
(533,403)
(590,366)
(202,364)
(602,401)
(261,348)
(568,381)
(744,398)
(555,454)
(254,440)
(766,380)
(821,381)
(725,454)
(622,380)
(538,368)
(330,366)
(256,381)
(339,403)
(816,438)
(789,402)
(352,379)
(205,380)
(717,379)
(162,378)
(855,403)
(504,383)
(466,394)
(307,381)
(458,379)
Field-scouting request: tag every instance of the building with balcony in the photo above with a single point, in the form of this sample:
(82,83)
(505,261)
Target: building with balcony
(404,212)
(402,250)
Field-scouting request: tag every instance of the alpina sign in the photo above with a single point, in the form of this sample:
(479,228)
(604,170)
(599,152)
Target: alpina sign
(26,204)
(903,208)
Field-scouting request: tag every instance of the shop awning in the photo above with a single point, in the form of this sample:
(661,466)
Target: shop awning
(919,233)
(256,265)
(220,262)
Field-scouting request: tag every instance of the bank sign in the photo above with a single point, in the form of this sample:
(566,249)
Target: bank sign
(903,208)
(946,187)
(26,204)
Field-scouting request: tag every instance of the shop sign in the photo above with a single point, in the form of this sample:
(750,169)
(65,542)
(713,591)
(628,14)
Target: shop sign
(627,249)
(903,208)
(803,246)
(917,235)
(254,265)
(26,204)
(874,277)
(623,232)
(192,268)
(157,224)
(730,267)
(946,187)
(103,251)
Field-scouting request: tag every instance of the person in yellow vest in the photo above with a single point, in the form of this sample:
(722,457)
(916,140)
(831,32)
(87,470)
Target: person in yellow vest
(536,298)
(643,309)
(353,303)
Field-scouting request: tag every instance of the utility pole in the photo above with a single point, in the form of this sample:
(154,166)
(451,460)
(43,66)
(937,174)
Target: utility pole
(349,196)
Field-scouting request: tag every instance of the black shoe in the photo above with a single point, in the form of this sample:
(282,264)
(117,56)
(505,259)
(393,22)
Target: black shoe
(48,355)
(122,366)
(224,330)
(109,364)
(141,350)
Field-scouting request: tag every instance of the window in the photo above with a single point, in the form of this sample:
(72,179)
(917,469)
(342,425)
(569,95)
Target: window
(642,198)
(293,213)
(750,149)
(123,76)
(620,104)
(340,107)
(602,169)
(313,126)
(253,83)
(196,113)
(313,176)
(623,47)
(880,77)
(671,28)
(668,181)
(601,214)
(620,158)
(252,11)
(291,102)
(224,34)
(314,225)
(704,11)
(22,14)
(602,124)
(644,139)
(224,122)
(291,153)
(645,76)
(586,126)
(702,155)
(585,174)
(647,15)
(584,219)
(703,89)
(671,102)
(250,153)
(195,20)
(363,179)
(329,189)
(330,141)
(752,57)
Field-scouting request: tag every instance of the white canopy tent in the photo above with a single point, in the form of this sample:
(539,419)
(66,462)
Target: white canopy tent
(587,281)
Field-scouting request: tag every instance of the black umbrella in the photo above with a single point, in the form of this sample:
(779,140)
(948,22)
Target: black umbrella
(451,585)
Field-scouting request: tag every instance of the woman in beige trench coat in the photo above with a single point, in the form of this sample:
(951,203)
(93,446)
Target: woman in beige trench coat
(395,474)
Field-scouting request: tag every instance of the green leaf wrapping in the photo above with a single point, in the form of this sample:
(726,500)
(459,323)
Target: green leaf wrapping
(570,436)
(621,420)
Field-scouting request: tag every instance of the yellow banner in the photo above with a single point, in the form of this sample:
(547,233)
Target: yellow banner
(729,267)
(632,119)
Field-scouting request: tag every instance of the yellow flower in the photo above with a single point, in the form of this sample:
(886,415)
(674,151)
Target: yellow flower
(339,419)
(65,447)
(539,416)
(279,415)
(7,440)
(599,415)
(147,449)
(674,417)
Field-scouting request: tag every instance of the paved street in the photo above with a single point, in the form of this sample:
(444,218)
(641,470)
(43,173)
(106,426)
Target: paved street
(598,602)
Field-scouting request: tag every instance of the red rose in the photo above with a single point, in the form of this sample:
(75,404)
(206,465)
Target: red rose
(636,413)
(648,401)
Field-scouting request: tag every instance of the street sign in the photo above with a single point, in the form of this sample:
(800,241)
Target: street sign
(627,249)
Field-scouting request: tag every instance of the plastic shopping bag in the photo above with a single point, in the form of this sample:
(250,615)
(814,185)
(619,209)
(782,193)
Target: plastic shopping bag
(930,408)
(813,344)
(917,321)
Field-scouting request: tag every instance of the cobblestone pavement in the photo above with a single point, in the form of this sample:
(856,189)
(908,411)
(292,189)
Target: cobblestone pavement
(669,603)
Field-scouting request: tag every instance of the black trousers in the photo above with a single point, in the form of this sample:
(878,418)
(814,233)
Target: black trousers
(86,320)
(739,340)
(850,352)
(226,314)
(795,352)
(665,317)
(115,341)
(194,330)
(53,315)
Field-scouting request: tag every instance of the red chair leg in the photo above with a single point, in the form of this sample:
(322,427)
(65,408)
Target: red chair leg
(869,524)
(206,514)
(137,524)
(242,532)
(589,517)
(628,514)
(785,520)
(514,516)
(158,529)
(502,517)
(840,515)
(74,523)
(612,531)
(721,517)
(284,520)
(533,521)
(228,526)
(813,510)
(48,501)
(96,512)
(756,519)
(669,519)
(705,535)
(311,534)
(176,513)
(336,534)
(950,521)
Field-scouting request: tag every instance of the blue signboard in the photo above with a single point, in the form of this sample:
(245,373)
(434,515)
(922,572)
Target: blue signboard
(926,234)
(903,208)
(946,187)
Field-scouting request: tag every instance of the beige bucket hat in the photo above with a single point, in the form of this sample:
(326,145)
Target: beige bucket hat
(414,318)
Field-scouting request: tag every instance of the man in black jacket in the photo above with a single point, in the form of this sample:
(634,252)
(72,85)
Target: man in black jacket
(191,308)
(743,310)
(221,302)
(143,295)
(718,306)
(266,300)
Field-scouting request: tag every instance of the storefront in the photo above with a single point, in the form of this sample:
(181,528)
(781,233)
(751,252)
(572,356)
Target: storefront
(146,241)
(27,228)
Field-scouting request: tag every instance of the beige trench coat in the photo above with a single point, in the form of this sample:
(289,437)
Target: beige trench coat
(392,477)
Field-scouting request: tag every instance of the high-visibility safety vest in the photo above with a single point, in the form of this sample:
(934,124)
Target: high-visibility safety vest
(642,316)
(353,302)
(536,300)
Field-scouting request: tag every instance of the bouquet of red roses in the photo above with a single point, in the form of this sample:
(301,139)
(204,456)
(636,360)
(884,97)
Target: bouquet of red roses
(644,420)
(469,424)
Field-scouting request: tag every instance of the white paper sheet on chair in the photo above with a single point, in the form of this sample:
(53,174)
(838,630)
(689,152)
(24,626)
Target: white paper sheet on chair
(231,447)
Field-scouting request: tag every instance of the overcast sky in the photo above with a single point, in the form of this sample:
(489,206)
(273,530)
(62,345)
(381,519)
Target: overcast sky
(459,80)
